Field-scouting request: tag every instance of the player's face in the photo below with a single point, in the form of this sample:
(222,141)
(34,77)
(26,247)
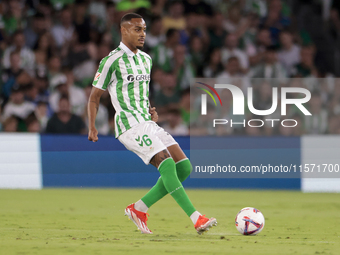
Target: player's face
(135,32)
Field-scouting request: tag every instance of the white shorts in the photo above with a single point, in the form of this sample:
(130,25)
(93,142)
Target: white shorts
(146,140)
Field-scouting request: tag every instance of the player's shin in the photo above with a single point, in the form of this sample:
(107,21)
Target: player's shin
(158,191)
(174,187)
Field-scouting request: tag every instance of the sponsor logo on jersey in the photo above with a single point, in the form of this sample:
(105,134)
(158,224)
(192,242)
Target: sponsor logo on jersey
(128,66)
(130,78)
(96,77)
(139,77)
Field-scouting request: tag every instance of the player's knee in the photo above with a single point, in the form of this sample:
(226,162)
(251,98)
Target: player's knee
(167,166)
(184,169)
(159,158)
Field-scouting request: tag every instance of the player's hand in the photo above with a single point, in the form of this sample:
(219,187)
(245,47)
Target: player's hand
(154,115)
(93,135)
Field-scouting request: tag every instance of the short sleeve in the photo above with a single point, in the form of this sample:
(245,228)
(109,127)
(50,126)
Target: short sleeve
(104,73)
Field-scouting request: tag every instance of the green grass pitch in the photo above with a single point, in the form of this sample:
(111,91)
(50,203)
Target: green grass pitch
(92,221)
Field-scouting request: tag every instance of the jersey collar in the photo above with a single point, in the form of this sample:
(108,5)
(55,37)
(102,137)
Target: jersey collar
(127,50)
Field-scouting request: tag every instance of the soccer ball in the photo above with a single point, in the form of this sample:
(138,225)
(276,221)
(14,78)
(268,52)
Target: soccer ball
(249,221)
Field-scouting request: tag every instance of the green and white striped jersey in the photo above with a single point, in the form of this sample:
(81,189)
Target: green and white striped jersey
(126,76)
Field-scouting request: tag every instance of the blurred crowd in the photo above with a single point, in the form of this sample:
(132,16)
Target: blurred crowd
(50,51)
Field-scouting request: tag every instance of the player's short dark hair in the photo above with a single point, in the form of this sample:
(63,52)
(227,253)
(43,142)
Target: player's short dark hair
(129,16)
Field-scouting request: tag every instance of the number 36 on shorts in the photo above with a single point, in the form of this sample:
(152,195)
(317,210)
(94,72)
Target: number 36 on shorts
(146,139)
(143,140)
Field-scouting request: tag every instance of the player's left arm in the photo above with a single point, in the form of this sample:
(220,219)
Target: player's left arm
(152,110)
(99,85)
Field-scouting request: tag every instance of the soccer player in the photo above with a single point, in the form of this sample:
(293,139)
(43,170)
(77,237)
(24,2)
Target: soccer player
(125,73)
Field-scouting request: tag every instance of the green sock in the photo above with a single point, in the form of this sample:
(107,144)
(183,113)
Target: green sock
(183,169)
(172,185)
(158,191)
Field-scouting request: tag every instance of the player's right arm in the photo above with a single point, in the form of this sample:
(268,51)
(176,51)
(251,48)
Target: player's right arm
(92,109)
(100,83)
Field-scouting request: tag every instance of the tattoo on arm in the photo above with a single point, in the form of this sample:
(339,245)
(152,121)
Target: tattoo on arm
(96,105)
(159,157)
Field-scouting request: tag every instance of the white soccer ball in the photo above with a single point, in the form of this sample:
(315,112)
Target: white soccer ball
(249,221)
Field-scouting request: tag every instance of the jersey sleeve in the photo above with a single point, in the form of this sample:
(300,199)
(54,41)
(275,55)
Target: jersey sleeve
(104,74)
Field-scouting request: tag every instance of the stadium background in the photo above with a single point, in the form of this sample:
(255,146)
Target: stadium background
(51,50)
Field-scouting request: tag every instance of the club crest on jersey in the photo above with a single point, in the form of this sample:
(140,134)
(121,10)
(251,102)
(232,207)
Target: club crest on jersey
(96,77)
(139,77)
(145,65)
